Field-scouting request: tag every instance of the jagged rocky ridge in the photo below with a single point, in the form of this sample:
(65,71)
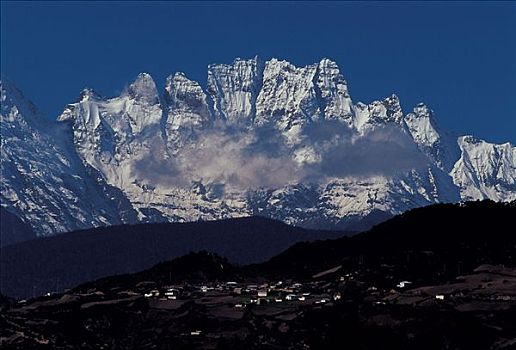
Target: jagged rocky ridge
(263,138)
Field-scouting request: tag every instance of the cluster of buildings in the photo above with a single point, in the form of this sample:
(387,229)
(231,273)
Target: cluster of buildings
(317,292)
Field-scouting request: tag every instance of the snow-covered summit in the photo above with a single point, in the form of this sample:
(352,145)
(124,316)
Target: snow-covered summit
(88,94)
(422,125)
(386,112)
(485,170)
(15,108)
(144,89)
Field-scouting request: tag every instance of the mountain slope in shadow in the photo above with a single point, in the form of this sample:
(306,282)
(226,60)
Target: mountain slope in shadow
(434,242)
(53,264)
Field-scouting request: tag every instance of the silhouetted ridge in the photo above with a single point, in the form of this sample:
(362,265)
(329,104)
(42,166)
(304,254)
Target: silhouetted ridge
(55,263)
(409,246)
(439,240)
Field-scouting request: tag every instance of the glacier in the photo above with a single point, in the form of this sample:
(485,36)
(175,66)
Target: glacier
(262,138)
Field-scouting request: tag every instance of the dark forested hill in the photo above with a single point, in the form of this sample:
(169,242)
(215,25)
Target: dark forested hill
(53,264)
(425,245)
(437,242)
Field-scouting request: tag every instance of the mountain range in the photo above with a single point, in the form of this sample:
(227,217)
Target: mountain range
(261,138)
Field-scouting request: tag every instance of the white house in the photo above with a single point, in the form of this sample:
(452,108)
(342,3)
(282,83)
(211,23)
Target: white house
(403,284)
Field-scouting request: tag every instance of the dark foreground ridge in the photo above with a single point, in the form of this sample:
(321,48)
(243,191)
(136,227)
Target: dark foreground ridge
(441,277)
(53,264)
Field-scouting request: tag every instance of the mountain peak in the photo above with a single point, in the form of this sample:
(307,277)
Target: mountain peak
(423,128)
(237,62)
(89,94)
(254,60)
(392,100)
(485,170)
(179,87)
(15,106)
(178,76)
(144,88)
(465,139)
(326,62)
(421,110)
(143,76)
(391,108)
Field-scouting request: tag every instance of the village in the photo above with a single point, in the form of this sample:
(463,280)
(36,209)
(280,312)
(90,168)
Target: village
(283,301)
(279,301)
(241,295)
(207,314)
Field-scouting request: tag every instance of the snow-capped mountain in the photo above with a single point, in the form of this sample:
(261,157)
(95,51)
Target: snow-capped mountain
(263,138)
(43,180)
(485,170)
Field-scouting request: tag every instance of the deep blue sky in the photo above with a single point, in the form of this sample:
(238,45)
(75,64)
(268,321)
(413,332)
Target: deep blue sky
(460,58)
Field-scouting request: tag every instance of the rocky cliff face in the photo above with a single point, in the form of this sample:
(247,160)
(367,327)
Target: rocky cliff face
(233,89)
(264,138)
